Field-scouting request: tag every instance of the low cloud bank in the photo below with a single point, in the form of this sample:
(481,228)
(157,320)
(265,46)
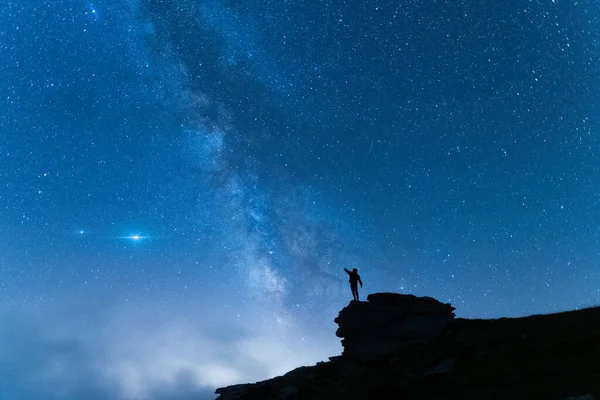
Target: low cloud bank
(143,351)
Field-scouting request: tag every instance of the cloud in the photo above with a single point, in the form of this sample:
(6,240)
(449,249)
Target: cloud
(33,364)
(125,351)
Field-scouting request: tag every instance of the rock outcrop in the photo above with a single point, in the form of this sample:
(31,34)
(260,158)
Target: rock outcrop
(390,323)
(407,347)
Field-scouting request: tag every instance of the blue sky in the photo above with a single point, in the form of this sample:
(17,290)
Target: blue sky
(183,181)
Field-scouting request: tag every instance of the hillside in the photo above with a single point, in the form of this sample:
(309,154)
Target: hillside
(407,347)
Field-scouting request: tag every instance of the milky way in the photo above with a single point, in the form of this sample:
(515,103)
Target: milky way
(182,182)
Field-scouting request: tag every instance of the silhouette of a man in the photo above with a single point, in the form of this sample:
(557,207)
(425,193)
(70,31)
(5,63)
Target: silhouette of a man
(354,279)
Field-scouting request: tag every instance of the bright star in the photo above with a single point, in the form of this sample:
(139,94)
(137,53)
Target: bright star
(136,237)
(94,13)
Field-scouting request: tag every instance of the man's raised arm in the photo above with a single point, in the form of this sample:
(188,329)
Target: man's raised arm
(348,272)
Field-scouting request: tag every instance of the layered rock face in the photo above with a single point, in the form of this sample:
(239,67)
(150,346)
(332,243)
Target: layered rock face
(407,347)
(390,323)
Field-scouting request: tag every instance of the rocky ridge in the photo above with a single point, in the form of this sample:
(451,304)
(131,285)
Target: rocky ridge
(408,347)
(390,323)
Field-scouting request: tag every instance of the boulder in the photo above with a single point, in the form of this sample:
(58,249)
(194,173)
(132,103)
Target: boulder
(388,323)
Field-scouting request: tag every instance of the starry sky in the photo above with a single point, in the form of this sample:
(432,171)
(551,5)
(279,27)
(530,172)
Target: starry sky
(182,181)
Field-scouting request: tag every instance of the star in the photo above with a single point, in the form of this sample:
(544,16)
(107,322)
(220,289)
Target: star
(136,237)
(93,12)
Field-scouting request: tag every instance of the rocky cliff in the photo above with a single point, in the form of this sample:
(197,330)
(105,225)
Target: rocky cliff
(407,347)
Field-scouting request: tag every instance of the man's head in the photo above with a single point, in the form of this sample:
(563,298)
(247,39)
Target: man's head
(354,270)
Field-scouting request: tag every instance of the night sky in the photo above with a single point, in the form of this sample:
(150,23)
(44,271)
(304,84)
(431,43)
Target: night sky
(182,181)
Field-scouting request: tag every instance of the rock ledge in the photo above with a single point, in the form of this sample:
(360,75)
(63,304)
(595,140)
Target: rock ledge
(390,323)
